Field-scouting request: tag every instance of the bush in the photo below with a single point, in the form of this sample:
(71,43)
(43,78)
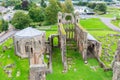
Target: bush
(21,20)
(37,14)
(51,12)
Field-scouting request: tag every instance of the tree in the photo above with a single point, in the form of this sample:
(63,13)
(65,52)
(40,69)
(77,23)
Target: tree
(18,6)
(25,5)
(0,25)
(69,6)
(4,25)
(101,7)
(51,12)
(12,2)
(43,4)
(91,5)
(37,14)
(21,20)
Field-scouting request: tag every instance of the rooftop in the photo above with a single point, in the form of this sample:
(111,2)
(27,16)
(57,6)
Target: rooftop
(29,32)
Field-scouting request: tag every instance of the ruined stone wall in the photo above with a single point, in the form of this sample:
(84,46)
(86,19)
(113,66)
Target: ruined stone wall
(81,38)
(116,71)
(62,42)
(38,72)
(116,64)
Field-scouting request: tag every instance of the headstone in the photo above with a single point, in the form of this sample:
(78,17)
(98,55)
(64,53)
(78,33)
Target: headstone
(18,74)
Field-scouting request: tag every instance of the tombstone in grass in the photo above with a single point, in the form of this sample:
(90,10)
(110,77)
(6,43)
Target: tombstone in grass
(4,48)
(116,64)
(30,43)
(18,74)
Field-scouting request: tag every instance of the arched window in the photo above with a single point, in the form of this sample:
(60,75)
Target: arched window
(18,46)
(27,47)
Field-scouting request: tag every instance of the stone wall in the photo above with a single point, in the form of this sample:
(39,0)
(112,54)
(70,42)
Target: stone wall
(81,38)
(116,64)
(62,42)
(38,72)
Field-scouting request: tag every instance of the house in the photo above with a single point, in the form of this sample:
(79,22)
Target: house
(82,10)
(3,10)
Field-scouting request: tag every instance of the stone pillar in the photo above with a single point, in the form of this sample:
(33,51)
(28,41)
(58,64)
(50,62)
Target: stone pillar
(116,71)
(37,72)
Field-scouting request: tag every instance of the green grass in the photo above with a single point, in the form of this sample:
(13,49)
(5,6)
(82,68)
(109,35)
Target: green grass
(76,71)
(116,23)
(102,35)
(109,44)
(19,64)
(93,24)
(83,72)
(112,12)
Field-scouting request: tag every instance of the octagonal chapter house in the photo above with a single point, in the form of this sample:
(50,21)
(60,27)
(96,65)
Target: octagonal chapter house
(29,41)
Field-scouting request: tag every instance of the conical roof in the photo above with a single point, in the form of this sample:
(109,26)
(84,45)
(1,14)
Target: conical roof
(29,32)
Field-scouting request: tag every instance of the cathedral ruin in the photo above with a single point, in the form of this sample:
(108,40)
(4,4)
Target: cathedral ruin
(31,43)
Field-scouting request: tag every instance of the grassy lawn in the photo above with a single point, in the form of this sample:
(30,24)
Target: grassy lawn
(111,12)
(109,43)
(8,57)
(94,24)
(77,70)
(116,23)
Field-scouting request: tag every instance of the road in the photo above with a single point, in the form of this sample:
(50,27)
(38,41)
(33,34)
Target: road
(8,34)
(107,22)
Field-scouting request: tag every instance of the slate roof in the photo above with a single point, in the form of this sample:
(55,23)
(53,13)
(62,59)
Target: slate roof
(29,32)
(90,37)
